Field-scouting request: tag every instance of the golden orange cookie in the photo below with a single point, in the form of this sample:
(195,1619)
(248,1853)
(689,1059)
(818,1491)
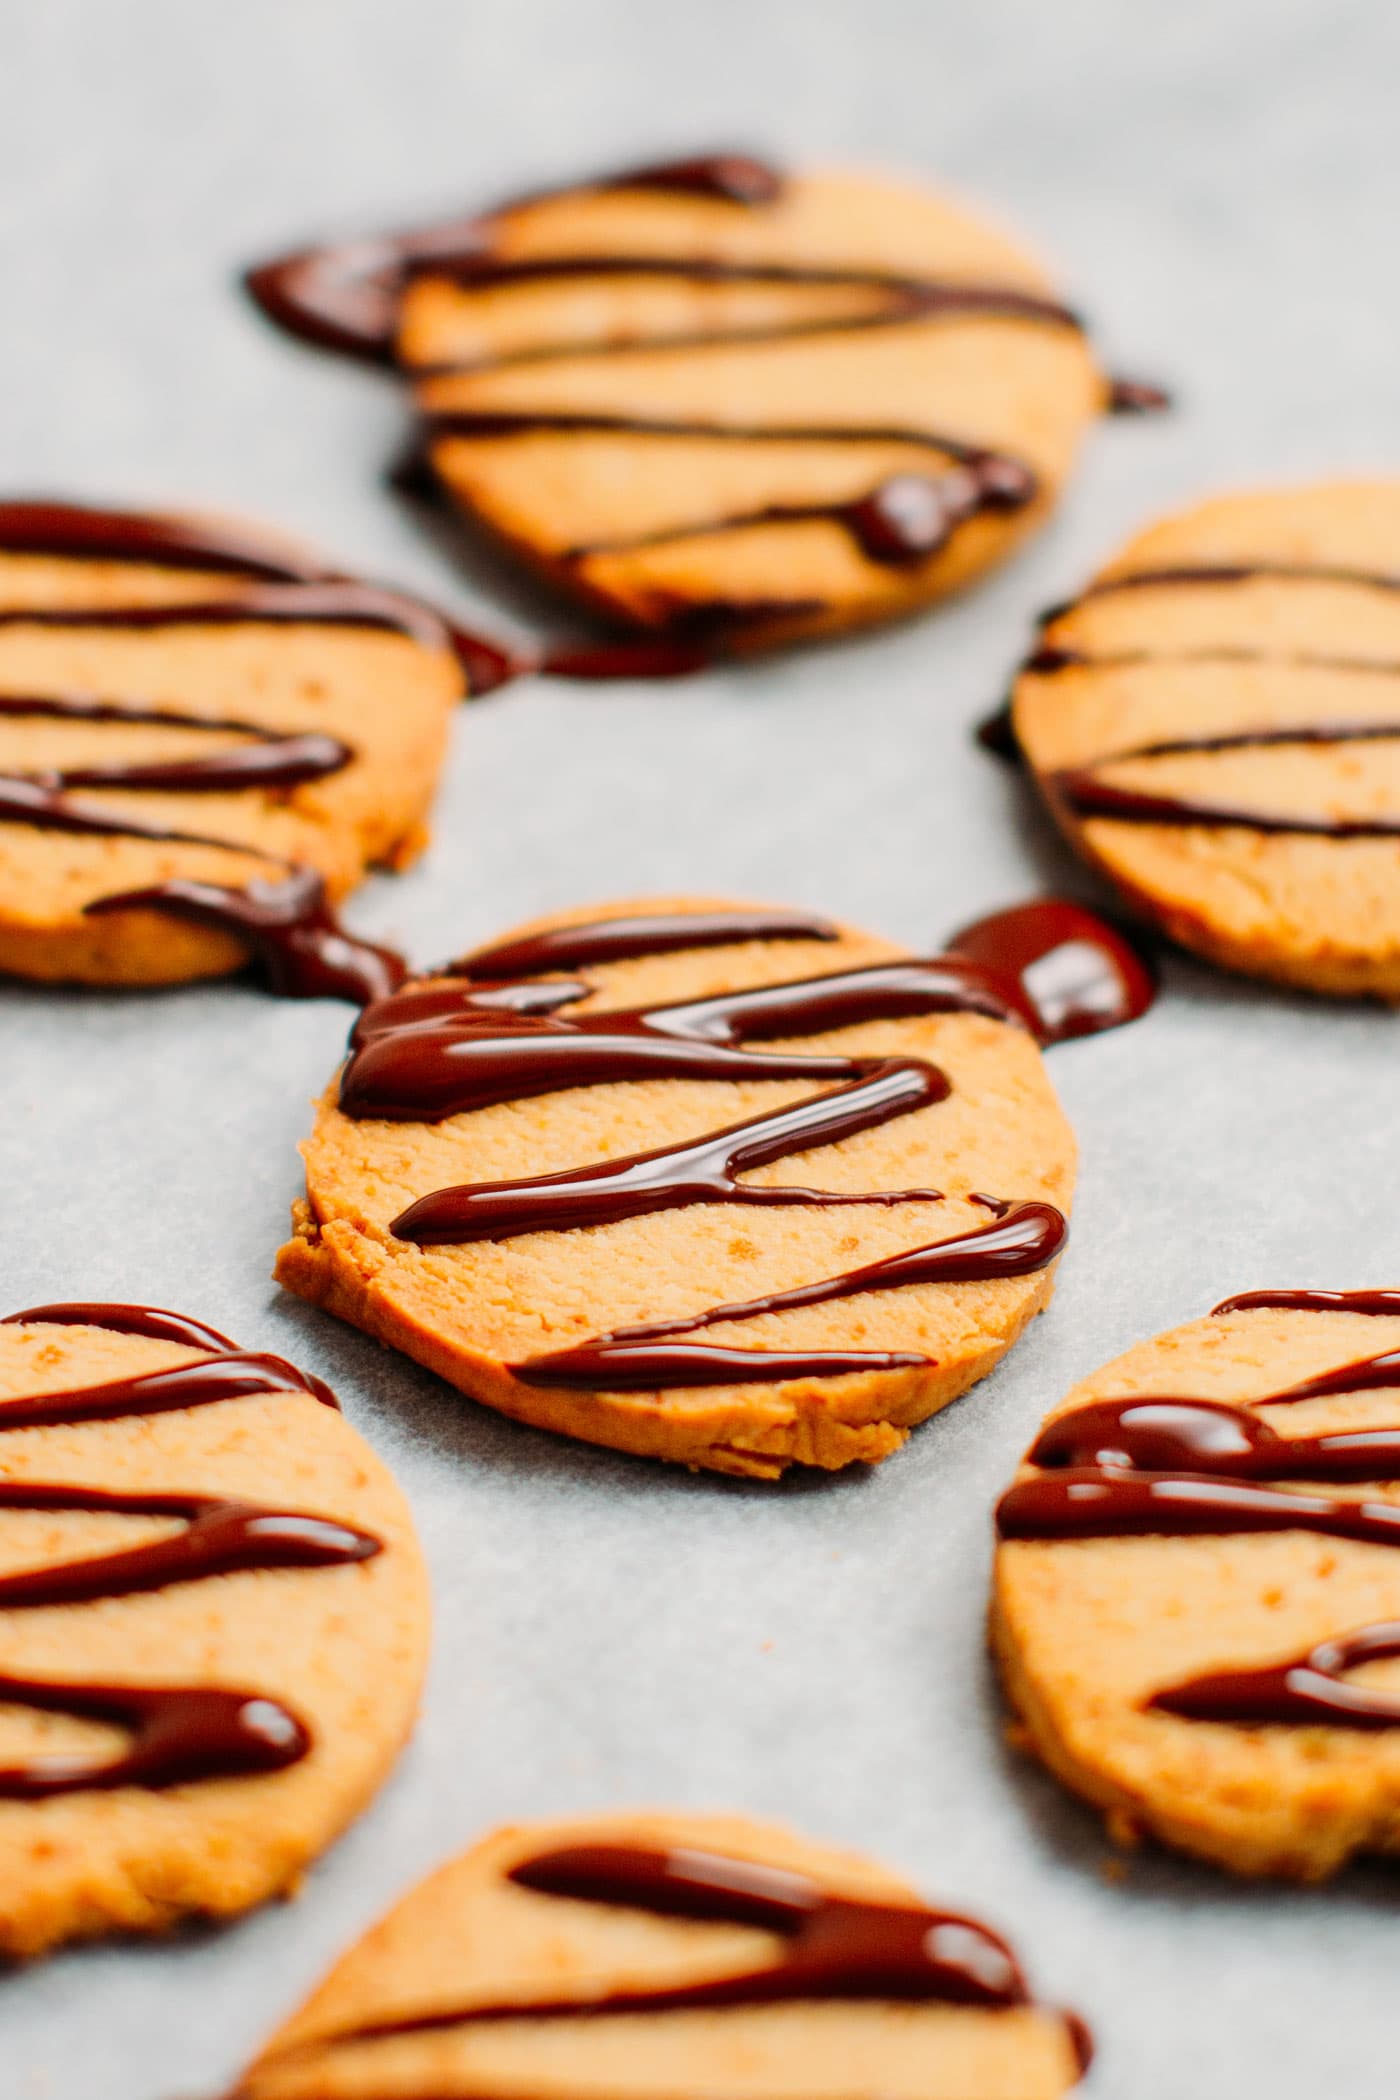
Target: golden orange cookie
(1197,1590)
(632,1955)
(213,1623)
(714,399)
(727,1185)
(1215,723)
(206,739)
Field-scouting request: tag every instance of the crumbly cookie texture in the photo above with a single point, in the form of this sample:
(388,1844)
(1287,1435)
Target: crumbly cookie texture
(343,1647)
(1207,665)
(690,440)
(469,1312)
(387,694)
(1088,1630)
(470,1937)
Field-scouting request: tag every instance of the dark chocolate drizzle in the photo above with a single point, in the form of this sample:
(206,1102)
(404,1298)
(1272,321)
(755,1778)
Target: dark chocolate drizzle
(1070,972)
(835,1946)
(348,298)
(286,923)
(493,1033)
(1164,1466)
(178,1732)
(1083,790)
(1378,1304)
(905,519)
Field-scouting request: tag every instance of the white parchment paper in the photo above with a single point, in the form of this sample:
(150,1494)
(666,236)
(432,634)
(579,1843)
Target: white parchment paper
(1219,184)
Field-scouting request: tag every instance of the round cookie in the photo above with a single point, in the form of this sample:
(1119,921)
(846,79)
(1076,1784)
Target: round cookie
(639,1954)
(1197,1587)
(1215,723)
(206,738)
(710,398)
(529,1177)
(213,1624)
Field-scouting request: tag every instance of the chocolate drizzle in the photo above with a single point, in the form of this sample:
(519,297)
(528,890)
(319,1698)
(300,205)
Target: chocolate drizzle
(286,922)
(349,298)
(1068,971)
(834,1946)
(493,1032)
(179,1732)
(1163,1466)
(1083,791)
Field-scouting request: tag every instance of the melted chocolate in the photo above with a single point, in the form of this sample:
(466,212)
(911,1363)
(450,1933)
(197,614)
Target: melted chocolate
(835,1946)
(179,1733)
(1081,788)
(1028,1237)
(270,759)
(78,531)
(422,1071)
(1380,1303)
(1310,1691)
(702,1171)
(904,519)
(1137,397)
(148,1320)
(438,1049)
(219,1538)
(348,298)
(1069,971)
(287,924)
(1164,1466)
(623,940)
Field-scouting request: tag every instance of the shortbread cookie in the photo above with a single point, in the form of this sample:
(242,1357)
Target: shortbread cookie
(710,398)
(1216,725)
(213,1623)
(1197,1600)
(205,740)
(731,1186)
(632,1955)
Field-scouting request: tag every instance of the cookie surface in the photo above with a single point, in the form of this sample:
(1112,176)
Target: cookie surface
(1216,725)
(1197,1590)
(213,1624)
(718,399)
(650,1953)
(693,1277)
(196,705)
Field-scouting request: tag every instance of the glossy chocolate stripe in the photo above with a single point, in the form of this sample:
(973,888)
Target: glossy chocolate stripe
(179,1732)
(84,532)
(219,1537)
(326,603)
(470,1059)
(346,297)
(274,758)
(1376,1303)
(1092,1503)
(152,1321)
(1160,1434)
(594,941)
(702,1170)
(235,1374)
(1027,1237)
(1309,1691)
(904,518)
(1081,790)
(287,925)
(1194,575)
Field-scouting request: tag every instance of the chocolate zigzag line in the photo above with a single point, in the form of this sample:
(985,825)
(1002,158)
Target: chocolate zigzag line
(179,1733)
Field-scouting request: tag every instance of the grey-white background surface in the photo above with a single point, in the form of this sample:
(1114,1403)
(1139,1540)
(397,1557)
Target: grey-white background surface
(1219,185)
